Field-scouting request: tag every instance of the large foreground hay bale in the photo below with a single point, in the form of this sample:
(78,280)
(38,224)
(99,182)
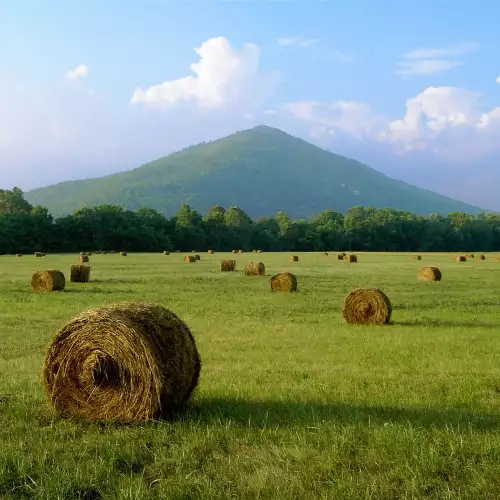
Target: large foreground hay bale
(429,274)
(341,256)
(197,257)
(255,269)
(83,258)
(227,265)
(189,258)
(123,362)
(293,258)
(481,257)
(367,305)
(283,282)
(39,254)
(417,257)
(350,258)
(79,274)
(49,280)
(123,254)
(460,258)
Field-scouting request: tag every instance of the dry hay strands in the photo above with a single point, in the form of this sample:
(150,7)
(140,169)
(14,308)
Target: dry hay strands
(293,258)
(481,257)
(83,258)
(197,257)
(79,274)
(350,258)
(211,252)
(124,362)
(255,269)
(470,255)
(340,256)
(48,281)
(123,254)
(460,258)
(166,252)
(227,266)
(367,306)
(39,254)
(417,257)
(189,258)
(283,282)
(429,274)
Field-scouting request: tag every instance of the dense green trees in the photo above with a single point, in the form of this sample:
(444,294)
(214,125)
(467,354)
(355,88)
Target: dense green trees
(24,228)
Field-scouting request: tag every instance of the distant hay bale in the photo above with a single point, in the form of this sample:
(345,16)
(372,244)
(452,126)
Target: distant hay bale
(241,251)
(325,253)
(429,274)
(124,362)
(460,258)
(255,269)
(283,282)
(293,258)
(259,251)
(350,258)
(367,306)
(417,257)
(48,281)
(43,254)
(194,251)
(89,254)
(227,265)
(470,255)
(80,274)
(197,257)
(19,254)
(234,251)
(166,252)
(123,254)
(211,252)
(39,254)
(340,256)
(481,257)
(83,258)
(255,251)
(104,253)
(189,258)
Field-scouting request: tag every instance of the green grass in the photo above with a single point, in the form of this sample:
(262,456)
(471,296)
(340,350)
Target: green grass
(292,403)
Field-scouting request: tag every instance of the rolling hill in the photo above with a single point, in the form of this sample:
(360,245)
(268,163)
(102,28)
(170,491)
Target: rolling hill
(261,170)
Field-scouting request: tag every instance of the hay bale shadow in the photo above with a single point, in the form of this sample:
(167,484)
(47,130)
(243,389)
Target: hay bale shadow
(444,323)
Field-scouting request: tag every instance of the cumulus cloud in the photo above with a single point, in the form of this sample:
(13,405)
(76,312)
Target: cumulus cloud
(222,77)
(498,79)
(297,41)
(81,71)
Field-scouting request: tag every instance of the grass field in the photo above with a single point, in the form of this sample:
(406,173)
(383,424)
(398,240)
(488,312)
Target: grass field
(292,402)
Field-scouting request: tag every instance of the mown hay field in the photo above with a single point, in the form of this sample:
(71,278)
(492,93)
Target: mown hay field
(292,402)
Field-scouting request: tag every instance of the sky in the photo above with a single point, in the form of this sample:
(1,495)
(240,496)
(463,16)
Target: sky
(411,88)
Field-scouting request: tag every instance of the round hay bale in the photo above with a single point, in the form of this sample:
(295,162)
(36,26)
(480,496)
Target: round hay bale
(460,258)
(259,251)
(283,282)
(325,253)
(341,256)
(194,251)
(197,257)
(429,274)
(241,251)
(39,254)
(19,254)
(417,257)
(79,274)
(293,258)
(189,258)
(254,251)
(255,269)
(89,254)
(350,258)
(166,252)
(211,252)
(470,255)
(83,258)
(48,281)
(123,254)
(123,362)
(367,306)
(481,257)
(227,265)
(234,251)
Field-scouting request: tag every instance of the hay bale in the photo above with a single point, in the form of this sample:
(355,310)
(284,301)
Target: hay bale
(123,362)
(227,266)
(211,252)
(417,257)
(189,258)
(254,251)
(469,255)
(283,282)
(367,305)
(83,258)
(460,258)
(89,254)
(19,254)
(197,257)
(43,254)
(241,251)
(166,252)
(325,253)
(341,256)
(48,281)
(481,257)
(194,251)
(234,251)
(39,254)
(255,269)
(350,258)
(429,274)
(293,258)
(79,274)
(259,251)
(83,253)
(123,254)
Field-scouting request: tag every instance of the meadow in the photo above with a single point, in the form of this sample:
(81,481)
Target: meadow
(292,402)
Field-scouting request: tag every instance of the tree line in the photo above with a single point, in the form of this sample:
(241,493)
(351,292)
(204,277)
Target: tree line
(26,229)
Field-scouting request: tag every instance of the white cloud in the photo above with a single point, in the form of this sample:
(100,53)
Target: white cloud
(298,41)
(80,71)
(425,66)
(223,77)
(498,79)
(452,51)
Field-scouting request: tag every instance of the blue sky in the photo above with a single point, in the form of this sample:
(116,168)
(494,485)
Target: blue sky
(96,87)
